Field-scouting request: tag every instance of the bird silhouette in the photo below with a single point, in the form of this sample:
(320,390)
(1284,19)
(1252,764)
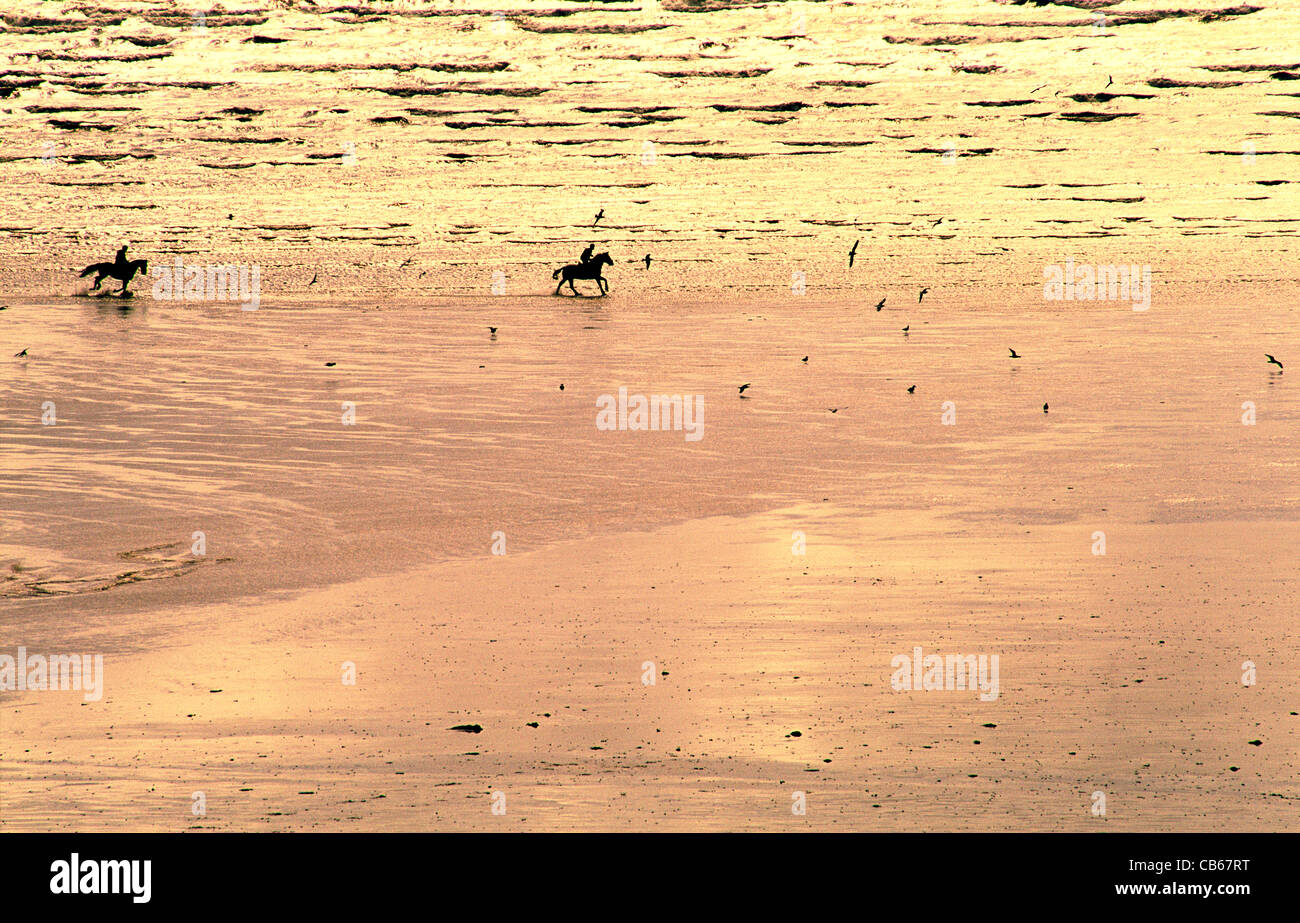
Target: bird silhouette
(561,386)
(21,355)
(804,359)
(907,328)
(880,304)
(1044,408)
(493,330)
(1014,354)
(1109,81)
(313,278)
(743,387)
(922,295)
(854,252)
(330,365)
(912,390)
(937,223)
(647,261)
(833,409)
(1272,361)
(600,214)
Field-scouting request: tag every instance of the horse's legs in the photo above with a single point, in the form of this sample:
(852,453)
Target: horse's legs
(574,290)
(98,279)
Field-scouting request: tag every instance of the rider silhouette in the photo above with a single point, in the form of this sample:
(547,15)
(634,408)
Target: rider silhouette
(120,260)
(587,254)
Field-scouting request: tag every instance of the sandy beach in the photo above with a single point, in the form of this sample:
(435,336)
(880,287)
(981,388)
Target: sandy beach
(310,540)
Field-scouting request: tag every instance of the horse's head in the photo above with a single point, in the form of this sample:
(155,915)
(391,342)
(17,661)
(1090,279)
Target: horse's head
(603,259)
(141,266)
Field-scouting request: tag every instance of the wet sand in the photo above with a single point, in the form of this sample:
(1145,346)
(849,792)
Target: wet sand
(1118,674)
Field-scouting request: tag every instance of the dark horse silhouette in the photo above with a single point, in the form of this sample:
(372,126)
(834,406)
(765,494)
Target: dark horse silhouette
(588,270)
(123,269)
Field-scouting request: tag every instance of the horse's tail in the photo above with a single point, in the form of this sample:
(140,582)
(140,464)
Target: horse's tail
(554,275)
(93,267)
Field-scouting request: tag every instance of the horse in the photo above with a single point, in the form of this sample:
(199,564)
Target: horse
(125,271)
(589,270)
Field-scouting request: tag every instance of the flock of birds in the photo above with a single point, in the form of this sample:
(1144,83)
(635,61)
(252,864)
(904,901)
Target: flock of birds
(880,306)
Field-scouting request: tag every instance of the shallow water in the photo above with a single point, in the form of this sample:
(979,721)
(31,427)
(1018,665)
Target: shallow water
(175,418)
(738,145)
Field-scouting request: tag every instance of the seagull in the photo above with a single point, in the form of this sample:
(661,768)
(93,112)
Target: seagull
(912,390)
(833,409)
(313,278)
(854,252)
(1109,81)
(881,304)
(922,295)
(907,328)
(493,330)
(1014,354)
(21,355)
(330,365)
(743,387)
(407,263)
(937,223)
(561,386)
(804,359)
(600,214)
(647,261)
(1272,361)
(1044,408)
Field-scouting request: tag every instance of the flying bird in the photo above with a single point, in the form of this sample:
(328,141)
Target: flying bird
(600,214)
(833,409)
(743,387)
(880,304)
(804,359)
(912,390)
(922,295)
(907,328)
(21,355)
(493,330)
(1272,361)
(1044,408)
(330,365)
(313,278)
(854,252)
(1109,81)
(937,223)
(647,261)
(1014,354)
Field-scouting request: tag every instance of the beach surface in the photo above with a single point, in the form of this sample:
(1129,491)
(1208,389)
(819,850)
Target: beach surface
(311,539)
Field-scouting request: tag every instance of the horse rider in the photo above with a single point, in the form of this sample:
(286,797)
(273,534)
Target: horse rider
(120,259)
(587,254)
